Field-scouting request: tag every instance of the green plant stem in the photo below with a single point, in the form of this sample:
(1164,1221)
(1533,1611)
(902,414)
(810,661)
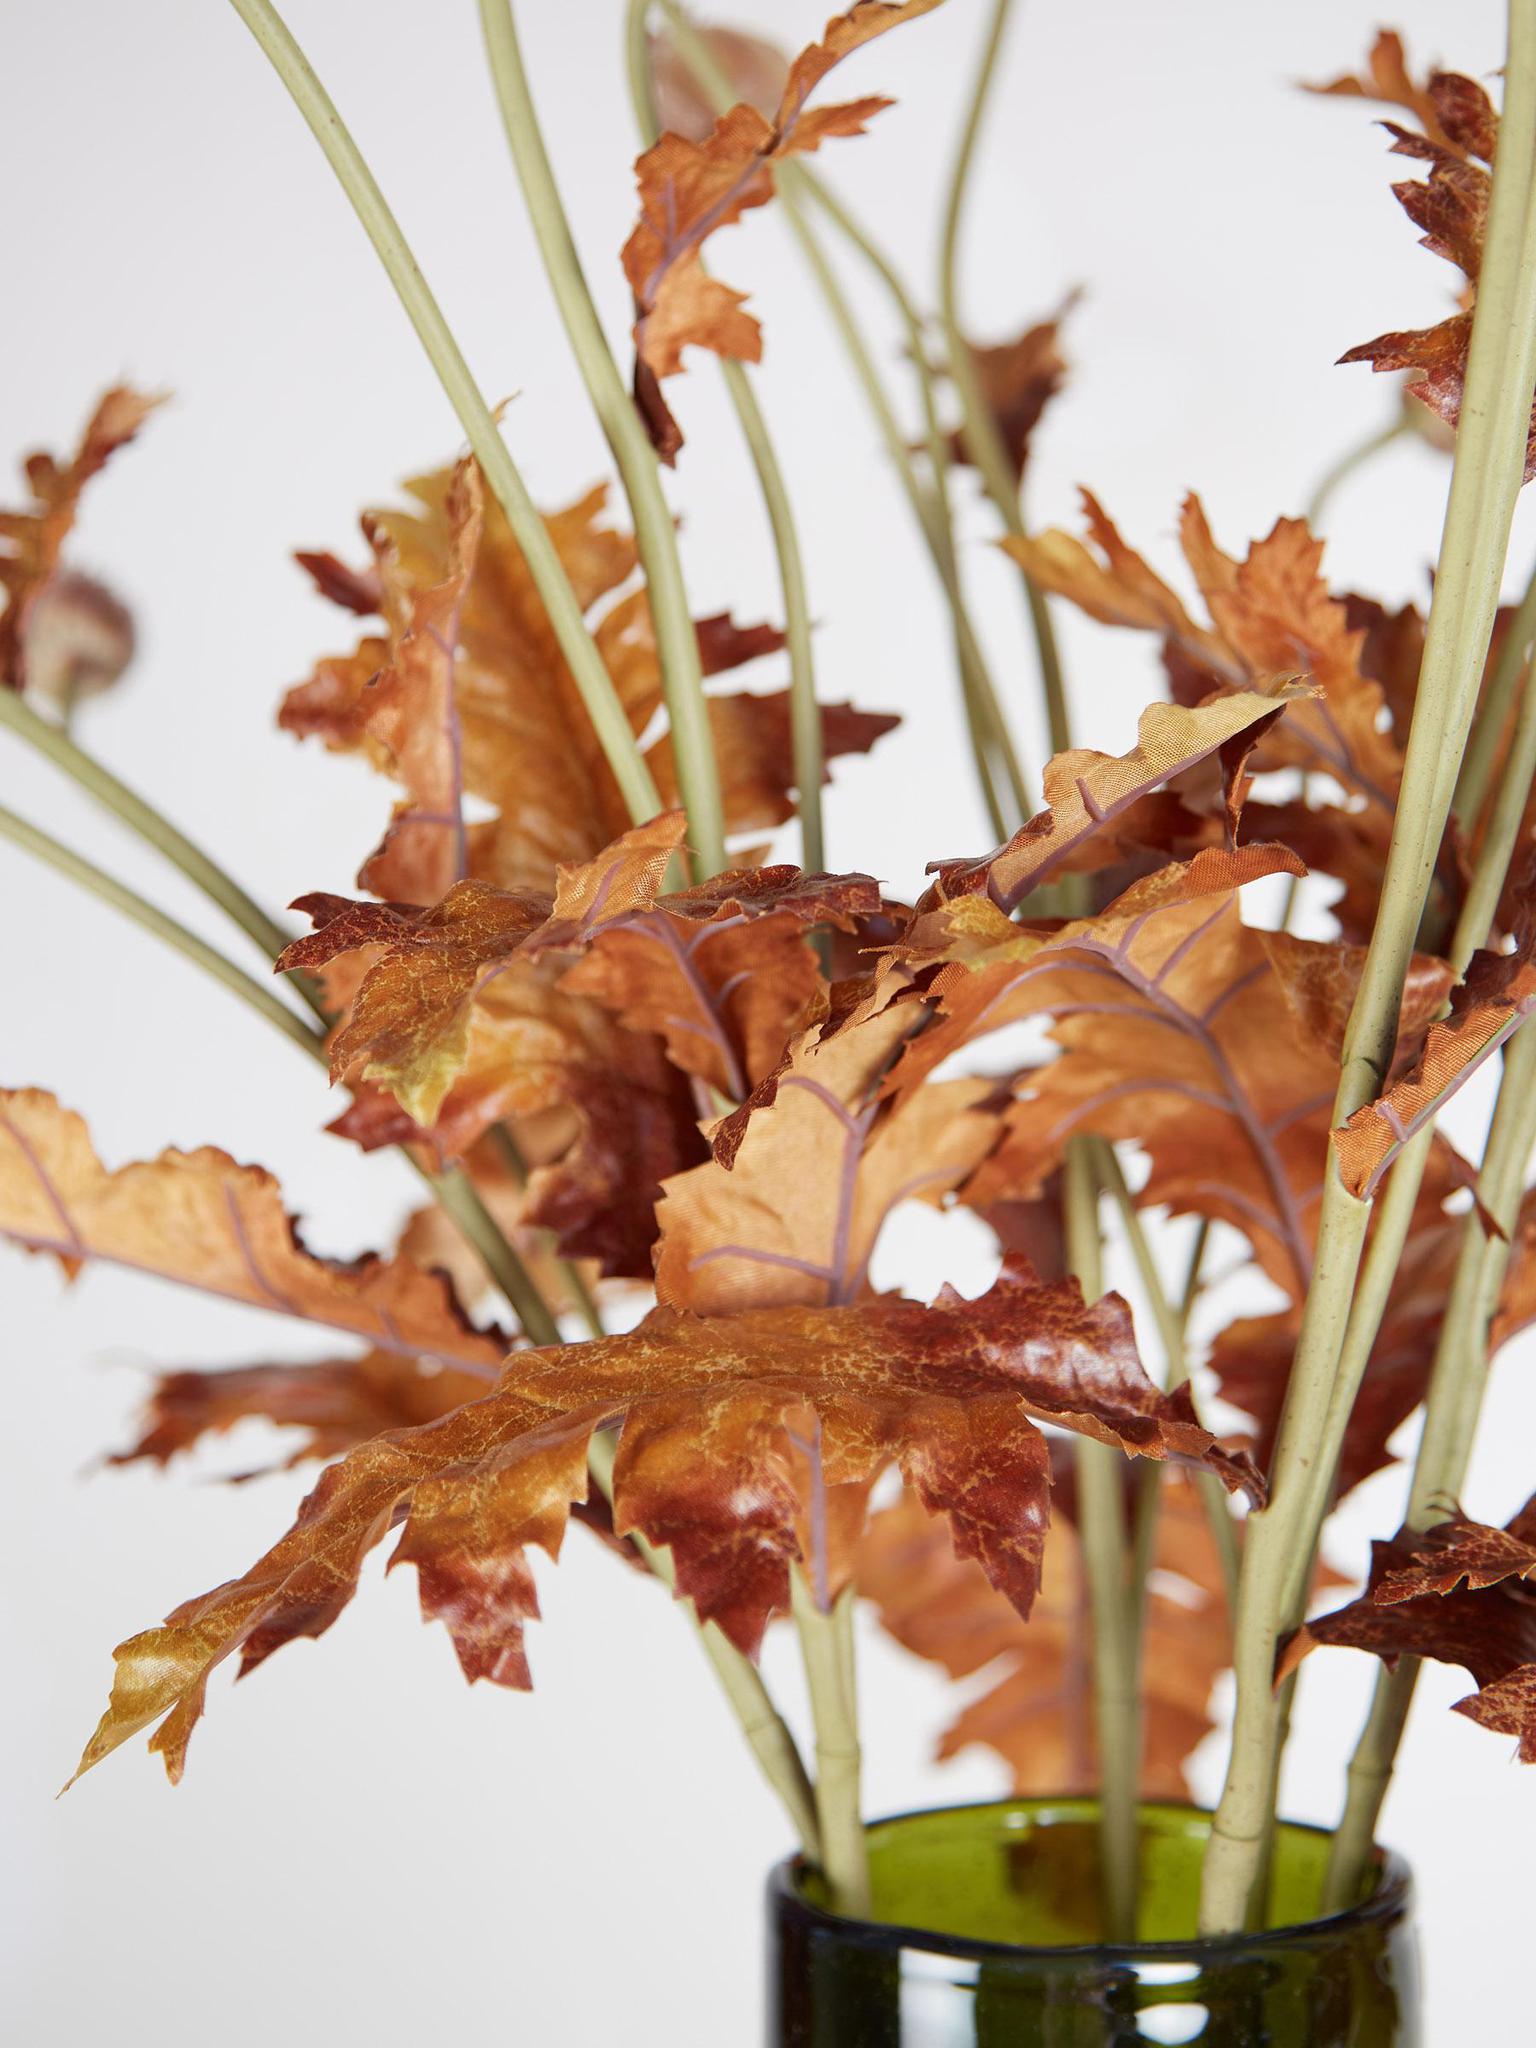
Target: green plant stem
(1485,479)
(609,720)
(258,996)
(978,429)
(461,1200)
(826,1645)
(1453,1401)
(988,731)
(1487,738)
(1148,1473)
(1352,459)
(510,1154)
(804,711)
(677,644)
(761,1722)
(124,803)
(1101,1529)
(984,717)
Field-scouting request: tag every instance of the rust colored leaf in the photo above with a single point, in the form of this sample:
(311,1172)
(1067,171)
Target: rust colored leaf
(1456,137)
(723,972)
(703,1466)
(1488,1008)
(409,1025)
(754,753)
(792,1211)
(446,1004)
(1037,1713)
(1089,793)
(1386,78)
(202,1220)
(757,72)
(1274,623)
(1176,1031)
(335,1402)
(1018,379)
(1457,1593)
(493,708)
(689,189)
(40,618)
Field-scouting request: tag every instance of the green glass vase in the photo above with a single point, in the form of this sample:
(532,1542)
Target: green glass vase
(986,1935)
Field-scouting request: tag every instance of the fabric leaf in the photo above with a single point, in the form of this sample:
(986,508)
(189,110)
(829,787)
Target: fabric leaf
(1487,1009)
(31,547)
(202,1220)
(690,189)
(945,1392)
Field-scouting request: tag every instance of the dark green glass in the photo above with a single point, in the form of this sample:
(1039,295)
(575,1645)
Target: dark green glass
(986,1935)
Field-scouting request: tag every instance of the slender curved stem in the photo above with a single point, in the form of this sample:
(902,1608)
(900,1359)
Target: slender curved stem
(983,443)
(1485,480)
(804,711)
(1483,748)
(1352,459)
(1101,1529)
(764,1727)
(510,1153)
(1147,1478)
(101,784)
(1452,1404)
(826,1644)
(677,644)
(598,695)
(461,1200)
(256,995)
(984,715)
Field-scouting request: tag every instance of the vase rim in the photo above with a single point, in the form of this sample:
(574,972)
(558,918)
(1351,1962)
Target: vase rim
(1391,1897)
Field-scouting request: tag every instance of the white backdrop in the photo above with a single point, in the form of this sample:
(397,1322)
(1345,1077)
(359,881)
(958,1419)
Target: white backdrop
(363,1846)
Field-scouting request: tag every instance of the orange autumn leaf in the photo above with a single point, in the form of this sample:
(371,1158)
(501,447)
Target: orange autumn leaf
(410,712)
(1456,1593)
(756,70)
(411,1021)
(202,1220)
(792,1205)
(722,972)
(506,725)
(704,1466)
(335,1402)
(1457,135)
(59,630)
(1037,1710)
(1387,79)
(1274,624)
(1018,379)
(689,189)
(1173,1029)
(1487,1009)
(1088,793)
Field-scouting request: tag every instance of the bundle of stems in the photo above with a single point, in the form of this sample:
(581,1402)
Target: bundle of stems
(1460,750)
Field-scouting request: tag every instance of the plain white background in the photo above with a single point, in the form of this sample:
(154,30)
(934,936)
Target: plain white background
(364,1847)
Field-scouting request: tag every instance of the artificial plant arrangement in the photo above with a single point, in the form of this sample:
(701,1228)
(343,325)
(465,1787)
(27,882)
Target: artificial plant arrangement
(635,1061)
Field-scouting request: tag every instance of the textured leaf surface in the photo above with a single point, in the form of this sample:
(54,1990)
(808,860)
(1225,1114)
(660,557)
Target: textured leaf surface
(48,627)
(1458,1593)
(703,1466)
(689,189)
(201,1219)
